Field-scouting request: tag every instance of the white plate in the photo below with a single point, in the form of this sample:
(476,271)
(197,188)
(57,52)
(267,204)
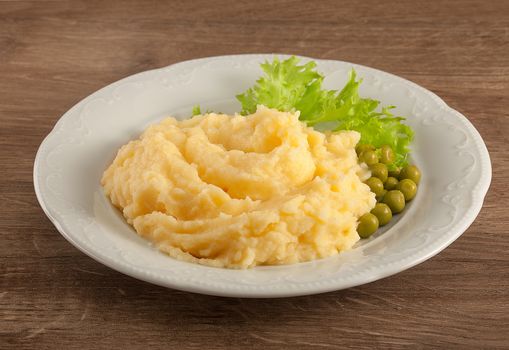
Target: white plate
(69,164)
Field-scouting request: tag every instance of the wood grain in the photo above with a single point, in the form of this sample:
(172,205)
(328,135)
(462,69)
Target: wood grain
(52,54)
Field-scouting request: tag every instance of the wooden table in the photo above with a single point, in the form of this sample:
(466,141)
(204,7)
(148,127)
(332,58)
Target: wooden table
(52,54)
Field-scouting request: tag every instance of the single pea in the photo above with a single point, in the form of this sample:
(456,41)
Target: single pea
(379,170)
(395,200)
(386,155)
(383,213)
(411,172)
(391,183)
(408,188)
(368,224)
(375,184)
(369,157)
(380,196)
(395,172)
(364,147)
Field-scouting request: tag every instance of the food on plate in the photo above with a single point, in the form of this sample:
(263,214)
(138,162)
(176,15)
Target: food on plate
(383,213)
(368,224)
(391,183)
(376,185)
(392,188)
(408,188)
(294,177)
(240,191)
(411,172)
(379,171)
(395,200)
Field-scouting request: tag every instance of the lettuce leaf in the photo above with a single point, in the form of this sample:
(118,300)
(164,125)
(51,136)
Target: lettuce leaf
(196,110)
(282,87)
(288,86)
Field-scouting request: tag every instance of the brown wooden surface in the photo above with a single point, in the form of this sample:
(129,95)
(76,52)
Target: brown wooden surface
(52,54)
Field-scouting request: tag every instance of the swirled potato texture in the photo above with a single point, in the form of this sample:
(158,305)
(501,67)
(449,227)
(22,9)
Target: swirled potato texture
(240,191)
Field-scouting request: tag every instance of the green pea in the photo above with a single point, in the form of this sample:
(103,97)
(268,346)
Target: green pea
(408,188)
(383,213)
(368,224)
(395,200)
(380,196)
(375,184)
(391,183)
(395,172)
(411,172)
(379,170)
(365,147)
(368,157)
(387,155)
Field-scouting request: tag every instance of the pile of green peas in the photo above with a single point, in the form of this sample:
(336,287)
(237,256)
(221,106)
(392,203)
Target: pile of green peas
(393,188)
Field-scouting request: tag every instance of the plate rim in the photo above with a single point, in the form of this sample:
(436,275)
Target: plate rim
(478,195)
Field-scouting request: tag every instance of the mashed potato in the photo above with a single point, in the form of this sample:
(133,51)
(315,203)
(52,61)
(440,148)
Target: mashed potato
(235,191)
